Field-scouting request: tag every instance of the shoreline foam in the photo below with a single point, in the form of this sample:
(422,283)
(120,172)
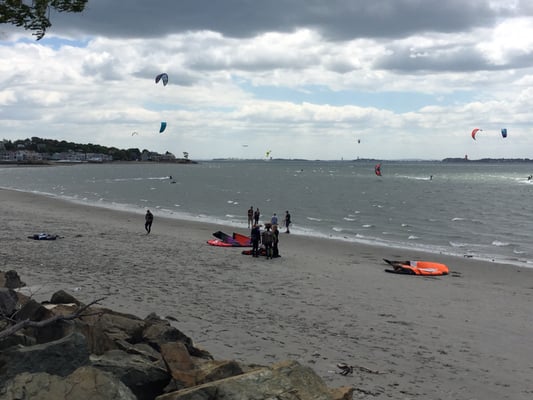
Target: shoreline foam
(297,231)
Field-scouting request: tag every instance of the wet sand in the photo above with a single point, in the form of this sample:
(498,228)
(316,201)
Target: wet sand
(468,335)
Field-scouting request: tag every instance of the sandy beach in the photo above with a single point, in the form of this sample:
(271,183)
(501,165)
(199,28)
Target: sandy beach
(468,335)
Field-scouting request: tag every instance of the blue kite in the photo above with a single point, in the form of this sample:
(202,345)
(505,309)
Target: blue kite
(163,77)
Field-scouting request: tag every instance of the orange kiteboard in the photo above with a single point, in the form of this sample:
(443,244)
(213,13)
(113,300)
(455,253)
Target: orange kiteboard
(428,268)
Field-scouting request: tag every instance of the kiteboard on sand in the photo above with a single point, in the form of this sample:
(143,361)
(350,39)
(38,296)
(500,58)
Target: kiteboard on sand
(225,240)
(427,268)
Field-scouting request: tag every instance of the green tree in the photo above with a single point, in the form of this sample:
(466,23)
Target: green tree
(36,17)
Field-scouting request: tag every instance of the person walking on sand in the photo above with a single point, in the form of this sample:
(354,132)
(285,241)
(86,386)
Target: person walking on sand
(287,221)
(255,236)
(257,214)
(250,216)
(148,219)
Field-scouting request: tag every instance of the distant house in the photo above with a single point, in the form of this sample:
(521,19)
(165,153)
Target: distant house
(20,156)
(68,156)
(7,156)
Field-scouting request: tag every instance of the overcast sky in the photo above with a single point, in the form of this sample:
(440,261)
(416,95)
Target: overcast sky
(314,79)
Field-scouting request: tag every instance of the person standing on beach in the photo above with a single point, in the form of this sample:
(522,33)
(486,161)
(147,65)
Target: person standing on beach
(255,236)
(148,219)
(274,219)
(287,221)
(267,239)
(275,249)
(250,216)
(257,214)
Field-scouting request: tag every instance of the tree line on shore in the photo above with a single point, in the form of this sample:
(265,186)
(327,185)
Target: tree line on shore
(51,146)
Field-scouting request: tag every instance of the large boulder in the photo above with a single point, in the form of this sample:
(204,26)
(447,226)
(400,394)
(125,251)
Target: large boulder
(33,311)
(60,357)
(145,378)
(104,328)
(180,365)
(10,279)
(287,380)
(159,331)
(85,383)
(62,297)
(8,301)
(214,370)
(142,349)
(187,371)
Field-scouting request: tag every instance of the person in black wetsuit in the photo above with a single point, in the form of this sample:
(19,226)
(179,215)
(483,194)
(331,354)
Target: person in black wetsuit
(148,219)
(255,236)
(287,221)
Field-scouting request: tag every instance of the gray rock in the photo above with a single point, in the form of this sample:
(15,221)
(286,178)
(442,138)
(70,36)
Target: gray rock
(62,297)
(16,339)
(104,328)
(10,279)
(159,331)
(86,383)
(145,378)
(32,310)
(60,357)
(8,301)
(142,349)
(287,380)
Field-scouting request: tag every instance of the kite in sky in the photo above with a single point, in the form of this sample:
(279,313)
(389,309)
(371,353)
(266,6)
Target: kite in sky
(163,77)
(475,131)
(163,127)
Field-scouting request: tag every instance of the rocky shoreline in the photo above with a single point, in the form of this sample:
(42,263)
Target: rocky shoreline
(65,349)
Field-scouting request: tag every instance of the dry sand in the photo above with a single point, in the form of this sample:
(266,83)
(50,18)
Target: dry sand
(468,335)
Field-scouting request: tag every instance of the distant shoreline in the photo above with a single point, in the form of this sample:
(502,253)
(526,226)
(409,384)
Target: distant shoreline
(48,163)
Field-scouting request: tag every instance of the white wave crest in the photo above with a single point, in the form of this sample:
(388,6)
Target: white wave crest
(500,244)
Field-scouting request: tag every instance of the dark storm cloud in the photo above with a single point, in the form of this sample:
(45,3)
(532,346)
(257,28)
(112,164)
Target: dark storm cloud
(335,19)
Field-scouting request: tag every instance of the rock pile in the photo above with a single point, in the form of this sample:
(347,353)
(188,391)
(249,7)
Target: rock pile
(64,349)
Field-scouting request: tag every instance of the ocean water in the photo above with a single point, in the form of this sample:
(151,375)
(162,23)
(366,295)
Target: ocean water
(466,209)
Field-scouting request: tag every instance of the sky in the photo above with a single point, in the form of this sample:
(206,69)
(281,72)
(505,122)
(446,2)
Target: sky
(304,79)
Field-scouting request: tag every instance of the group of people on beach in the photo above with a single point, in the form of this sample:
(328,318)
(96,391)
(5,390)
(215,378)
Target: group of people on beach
(254,215)
(269,237)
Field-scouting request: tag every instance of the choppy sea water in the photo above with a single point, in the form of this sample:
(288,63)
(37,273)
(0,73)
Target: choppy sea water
(467,209)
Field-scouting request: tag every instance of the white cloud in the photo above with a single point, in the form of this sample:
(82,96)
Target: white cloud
(300,85)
